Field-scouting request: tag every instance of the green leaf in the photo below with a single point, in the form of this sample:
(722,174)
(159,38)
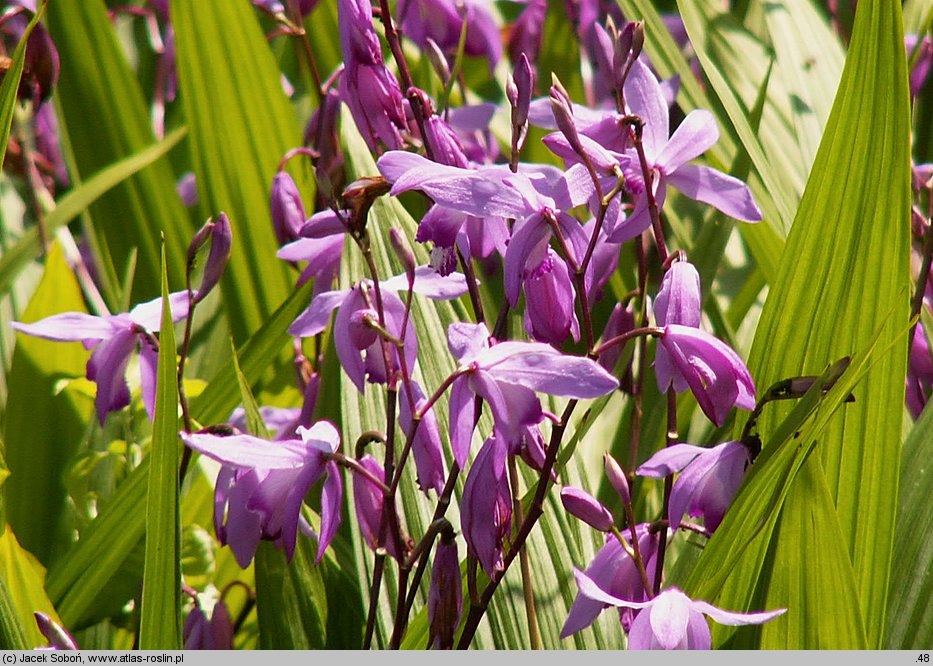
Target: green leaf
(10,85)
(160,623)
(254,423)
(909,622)
(241,126)
(104,118)
(77,201)
(12,634)
(22,577)
(291,600)
(39,450)
(843,276)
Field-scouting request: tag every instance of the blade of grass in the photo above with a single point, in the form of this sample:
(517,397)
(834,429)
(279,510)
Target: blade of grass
(160,613)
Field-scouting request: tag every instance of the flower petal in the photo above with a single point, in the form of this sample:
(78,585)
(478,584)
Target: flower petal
(429,283)
(71,327)
(316,318)
(540,367)
(733,619)
(723,192)
(693,137)
(248,452)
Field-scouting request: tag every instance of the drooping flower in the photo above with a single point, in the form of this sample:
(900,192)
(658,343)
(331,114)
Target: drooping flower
(486,505)
(358,344)
(367,86)
(708,480)
(261,486)
(919,372)
(113,338)
(367,502)
(506,376)
(442,21)
(707,366)
(614,570)
(672,620)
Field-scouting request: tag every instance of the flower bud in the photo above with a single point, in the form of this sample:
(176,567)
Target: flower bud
(562,108)
(288,211)
(445,597)
(587,508)
(58,638)
(404,252)
(519,89)
(220,237)
(617,478)
(187,188)
(437,59)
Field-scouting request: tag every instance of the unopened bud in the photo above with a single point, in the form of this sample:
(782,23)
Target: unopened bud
(445,597)
(587,508)
(58,638)
(563,115)
(221,239)
(638,39)
(519,89)
(437,59)
(617,478)
(404,253)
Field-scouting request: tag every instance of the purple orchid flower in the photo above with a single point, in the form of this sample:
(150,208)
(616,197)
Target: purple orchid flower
(614,570)
(113,338)
(358,344)
(707,366)
(667,156)
(672,621)
(262,484)
(442,21)
(506,375)
(486,506)
(367,87)
(708,480)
